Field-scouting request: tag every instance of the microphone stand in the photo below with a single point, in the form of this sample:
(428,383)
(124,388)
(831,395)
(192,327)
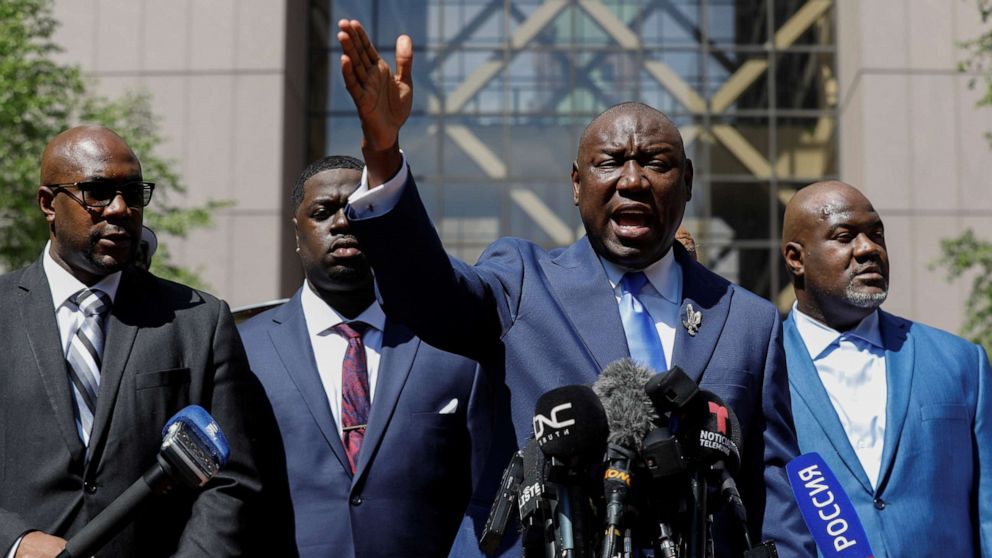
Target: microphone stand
(698,531)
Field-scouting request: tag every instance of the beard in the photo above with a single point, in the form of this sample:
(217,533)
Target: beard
(107,264)
(868,300)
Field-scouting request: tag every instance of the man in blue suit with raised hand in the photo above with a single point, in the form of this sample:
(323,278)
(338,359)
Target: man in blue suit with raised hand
(538,320)
(898,410)
(381,430)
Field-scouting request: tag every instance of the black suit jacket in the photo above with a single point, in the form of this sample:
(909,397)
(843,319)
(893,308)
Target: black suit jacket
(167,346)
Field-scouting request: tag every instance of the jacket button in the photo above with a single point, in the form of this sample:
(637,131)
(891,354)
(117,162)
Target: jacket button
(879,504)
(356,500)
(89,487)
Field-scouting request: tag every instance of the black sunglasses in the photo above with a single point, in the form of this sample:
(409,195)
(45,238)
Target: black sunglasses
(98,195)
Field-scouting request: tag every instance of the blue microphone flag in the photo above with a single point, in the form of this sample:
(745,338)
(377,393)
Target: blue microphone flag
(826,508)
(203,426)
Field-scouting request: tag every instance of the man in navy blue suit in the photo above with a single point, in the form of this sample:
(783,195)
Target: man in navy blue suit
(897,409)
(538,320)
(380,457)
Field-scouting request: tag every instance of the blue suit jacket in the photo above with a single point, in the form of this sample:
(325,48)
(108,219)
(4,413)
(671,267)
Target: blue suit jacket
(538,320)
(934,496)
(414,475)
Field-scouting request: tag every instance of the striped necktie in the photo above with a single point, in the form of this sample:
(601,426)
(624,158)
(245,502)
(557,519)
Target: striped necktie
(84,356)
(355,401)
(638,325)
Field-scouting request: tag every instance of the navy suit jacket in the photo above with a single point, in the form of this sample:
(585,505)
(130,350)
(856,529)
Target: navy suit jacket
(537,320)
(934,496)
(414,474)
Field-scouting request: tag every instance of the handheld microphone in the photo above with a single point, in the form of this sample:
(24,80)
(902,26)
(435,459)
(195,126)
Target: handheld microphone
(504,505)
(570,428)
(570,425)
(630,415)
(826,509)
(193,450)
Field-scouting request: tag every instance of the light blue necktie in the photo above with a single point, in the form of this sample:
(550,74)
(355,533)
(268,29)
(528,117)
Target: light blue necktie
(638,325)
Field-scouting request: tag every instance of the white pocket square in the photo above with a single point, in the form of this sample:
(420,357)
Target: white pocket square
(449,408)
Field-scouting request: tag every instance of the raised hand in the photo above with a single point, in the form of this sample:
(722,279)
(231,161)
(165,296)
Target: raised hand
(383,100)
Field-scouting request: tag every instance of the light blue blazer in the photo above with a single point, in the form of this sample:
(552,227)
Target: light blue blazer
(934,495)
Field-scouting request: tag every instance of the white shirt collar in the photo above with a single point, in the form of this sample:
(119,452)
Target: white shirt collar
(665,275)
(818,336)
(320,317)
(64,284)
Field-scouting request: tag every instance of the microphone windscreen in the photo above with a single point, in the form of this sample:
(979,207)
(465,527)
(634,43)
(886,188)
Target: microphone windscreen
(570,424)
(826,508)
(629,412)
(671,390)
(207,433)
(717,436)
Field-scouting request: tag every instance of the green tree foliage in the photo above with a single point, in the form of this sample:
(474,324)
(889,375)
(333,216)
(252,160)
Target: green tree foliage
(967,254)
(40,97)
(979,58)
(963,255)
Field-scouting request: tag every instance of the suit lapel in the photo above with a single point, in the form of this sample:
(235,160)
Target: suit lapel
(42,329)
(582,291)
(702,292)
(291,341)
(122,327)
(399,347)
(805,382)
(899,369)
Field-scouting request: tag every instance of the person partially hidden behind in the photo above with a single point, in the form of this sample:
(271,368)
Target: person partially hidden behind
(898,410)
(537,320)
(382,431)
(97,356)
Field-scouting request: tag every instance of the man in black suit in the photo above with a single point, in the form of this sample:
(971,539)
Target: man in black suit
(97,356)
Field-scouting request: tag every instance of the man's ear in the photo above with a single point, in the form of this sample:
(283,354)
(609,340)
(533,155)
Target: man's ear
(296,234)
(46,202)
(575,182)
(687,178)
(793,254)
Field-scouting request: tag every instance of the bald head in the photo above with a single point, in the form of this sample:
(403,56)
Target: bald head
(817,202)
(81,146)
(632,108)
(833,243)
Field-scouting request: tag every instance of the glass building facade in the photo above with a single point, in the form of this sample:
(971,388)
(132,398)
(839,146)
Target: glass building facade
(503,89)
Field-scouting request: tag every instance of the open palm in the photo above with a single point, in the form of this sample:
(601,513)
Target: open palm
(383,99)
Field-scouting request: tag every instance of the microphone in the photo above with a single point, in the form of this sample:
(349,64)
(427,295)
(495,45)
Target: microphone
(672,390)
(570,424)
(193,450)
(570,428)
(504,505)
(630,415)
(713,433)
(533,502)
(826,509)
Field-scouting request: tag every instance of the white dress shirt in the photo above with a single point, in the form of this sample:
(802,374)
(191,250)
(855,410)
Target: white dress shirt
(851,366)
(662,297)
(63,285)
(329,348)
(67,315)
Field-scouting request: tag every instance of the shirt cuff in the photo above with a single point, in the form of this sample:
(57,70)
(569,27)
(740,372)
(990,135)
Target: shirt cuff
(13,550)
(373,202)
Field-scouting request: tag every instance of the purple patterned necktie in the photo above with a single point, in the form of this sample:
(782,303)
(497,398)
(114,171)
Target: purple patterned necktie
(354,389)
